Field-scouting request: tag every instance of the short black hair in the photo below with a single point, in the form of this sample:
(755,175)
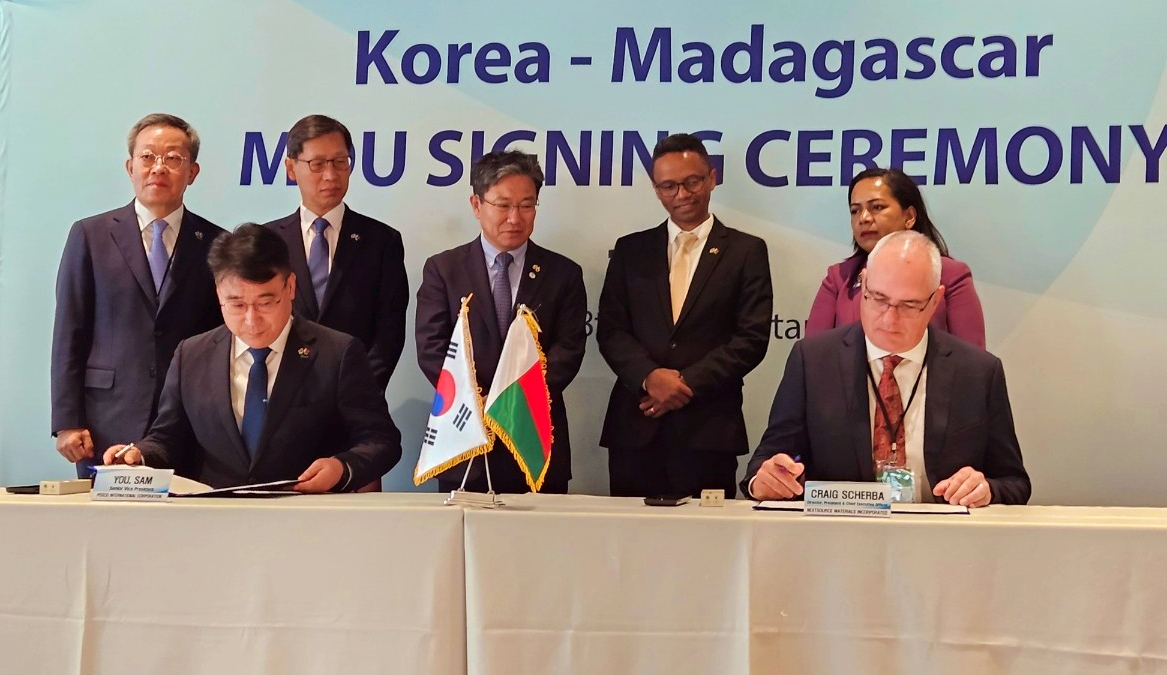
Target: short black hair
(495,166)
(315,126)
(252,252)
(680,143)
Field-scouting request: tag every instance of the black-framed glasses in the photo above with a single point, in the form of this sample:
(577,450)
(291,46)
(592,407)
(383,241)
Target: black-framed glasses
(239,308)
(906,308)
(338,164)
(669,188)
(264,306)
(523,208)
(171,160)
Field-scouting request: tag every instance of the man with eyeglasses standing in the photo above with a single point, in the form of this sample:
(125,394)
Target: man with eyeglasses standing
(891,396)
(684,315)
(350,267)
(268,397)
(132,284)
(503,268)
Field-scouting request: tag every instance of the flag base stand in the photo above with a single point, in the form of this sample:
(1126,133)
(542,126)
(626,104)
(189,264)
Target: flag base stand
(481,500)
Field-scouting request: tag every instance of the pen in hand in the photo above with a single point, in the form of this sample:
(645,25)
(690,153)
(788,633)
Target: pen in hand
(797,460)
(121,453)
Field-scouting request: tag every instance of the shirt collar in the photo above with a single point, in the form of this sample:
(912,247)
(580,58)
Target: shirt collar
(277,346)
(173,219)
(702,230)
(915,354)
(519,254)
(334,217)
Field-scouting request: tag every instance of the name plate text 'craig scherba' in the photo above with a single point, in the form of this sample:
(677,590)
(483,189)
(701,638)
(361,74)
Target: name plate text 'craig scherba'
(125,483)
(869,500)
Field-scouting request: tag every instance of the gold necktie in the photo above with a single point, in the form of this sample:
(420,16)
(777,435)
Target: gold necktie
(679,274)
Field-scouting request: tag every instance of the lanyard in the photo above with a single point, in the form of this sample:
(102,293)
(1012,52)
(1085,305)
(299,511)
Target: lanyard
(894,430)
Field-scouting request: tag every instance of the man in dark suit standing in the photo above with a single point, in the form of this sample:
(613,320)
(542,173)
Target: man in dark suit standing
(504,268)
(267,397)
(132,283)
(684,315)
(890,393)
(350,268)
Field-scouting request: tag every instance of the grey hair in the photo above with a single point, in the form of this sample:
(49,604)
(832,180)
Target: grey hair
(495,166)
(906,240)
(165,120)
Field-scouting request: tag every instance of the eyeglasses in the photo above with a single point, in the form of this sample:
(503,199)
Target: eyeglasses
(171,160)
(906,308)
(339,164)
(265,306)
(669,188)
(525,208)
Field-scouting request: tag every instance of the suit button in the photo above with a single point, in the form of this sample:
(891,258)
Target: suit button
(672,345)
(153,372)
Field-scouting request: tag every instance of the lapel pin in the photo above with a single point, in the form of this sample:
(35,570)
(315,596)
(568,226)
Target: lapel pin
(715,250)
(354,236)
(532,275)
(536,268)
(304,352)
(199,235)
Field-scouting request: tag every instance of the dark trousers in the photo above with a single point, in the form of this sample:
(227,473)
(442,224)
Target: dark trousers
(667,467)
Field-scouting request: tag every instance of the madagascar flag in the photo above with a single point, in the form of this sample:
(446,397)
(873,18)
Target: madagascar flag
(518,408)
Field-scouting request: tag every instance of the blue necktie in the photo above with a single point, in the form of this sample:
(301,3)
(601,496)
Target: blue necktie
(255,400)
(504,306)
(159,259)
(318,260)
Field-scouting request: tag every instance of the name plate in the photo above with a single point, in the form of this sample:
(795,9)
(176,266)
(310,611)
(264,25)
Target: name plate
(134,484)
(868,500)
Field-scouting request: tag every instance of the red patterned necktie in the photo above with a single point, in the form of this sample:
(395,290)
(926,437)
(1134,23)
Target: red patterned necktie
(889,393)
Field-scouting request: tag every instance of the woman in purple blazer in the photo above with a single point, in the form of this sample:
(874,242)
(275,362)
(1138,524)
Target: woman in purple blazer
(885,201)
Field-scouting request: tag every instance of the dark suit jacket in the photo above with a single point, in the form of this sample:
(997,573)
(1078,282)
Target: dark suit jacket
(324,404)
(113,336)
(722,334)
(555,294)
(368,291)
(821,413)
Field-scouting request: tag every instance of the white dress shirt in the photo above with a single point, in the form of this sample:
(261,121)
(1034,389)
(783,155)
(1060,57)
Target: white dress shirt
(515,271)
(905,375)
(702,232)
(146,225)
(241,368)
(332,235)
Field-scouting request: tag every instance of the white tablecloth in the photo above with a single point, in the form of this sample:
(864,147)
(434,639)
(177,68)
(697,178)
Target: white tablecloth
(309,584)
(597,585)
(399,584)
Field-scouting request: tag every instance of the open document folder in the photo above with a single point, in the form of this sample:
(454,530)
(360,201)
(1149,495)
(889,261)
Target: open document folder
(936,509)
(185,487)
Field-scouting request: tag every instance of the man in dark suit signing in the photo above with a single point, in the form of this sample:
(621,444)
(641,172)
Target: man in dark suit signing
(888,392)
(268,397)
(132,283)
(350,268)
(684,315)
(503,268)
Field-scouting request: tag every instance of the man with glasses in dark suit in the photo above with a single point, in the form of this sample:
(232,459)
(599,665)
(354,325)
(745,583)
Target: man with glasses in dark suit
(132,284)
(503,268)
(268,397)
(350,268)
(684,316)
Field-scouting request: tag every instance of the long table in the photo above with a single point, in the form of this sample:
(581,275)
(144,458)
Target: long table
(599,585)
(321,584)
(570,584)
